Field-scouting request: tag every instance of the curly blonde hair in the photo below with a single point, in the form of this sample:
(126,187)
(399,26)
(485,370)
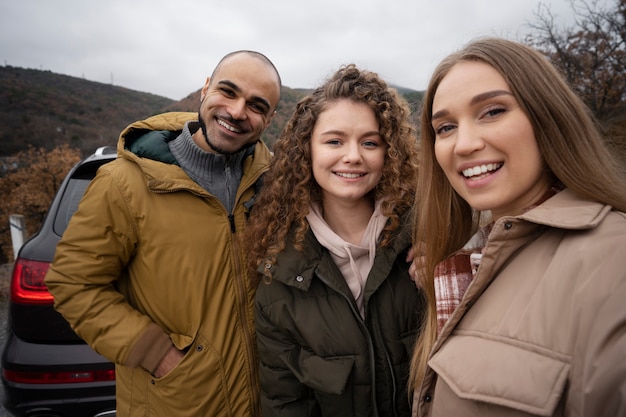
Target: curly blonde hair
(289,187)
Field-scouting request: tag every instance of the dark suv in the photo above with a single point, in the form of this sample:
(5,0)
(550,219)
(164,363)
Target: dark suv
(47,370)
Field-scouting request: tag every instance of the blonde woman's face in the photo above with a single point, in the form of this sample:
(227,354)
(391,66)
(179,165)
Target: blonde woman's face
(485,143)
(347,151)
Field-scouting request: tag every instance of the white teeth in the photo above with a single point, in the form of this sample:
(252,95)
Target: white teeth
(347,175)
(227,126)
(479,170)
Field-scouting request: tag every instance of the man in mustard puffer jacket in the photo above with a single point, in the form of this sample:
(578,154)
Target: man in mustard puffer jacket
(150,271)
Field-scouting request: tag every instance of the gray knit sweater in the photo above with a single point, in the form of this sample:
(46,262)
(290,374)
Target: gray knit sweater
(218,174)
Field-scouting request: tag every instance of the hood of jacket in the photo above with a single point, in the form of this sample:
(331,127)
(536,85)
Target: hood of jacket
(145,143)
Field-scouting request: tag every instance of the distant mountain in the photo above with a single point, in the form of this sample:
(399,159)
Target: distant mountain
(45,109)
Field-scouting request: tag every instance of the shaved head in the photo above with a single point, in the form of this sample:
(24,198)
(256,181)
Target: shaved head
(253,54)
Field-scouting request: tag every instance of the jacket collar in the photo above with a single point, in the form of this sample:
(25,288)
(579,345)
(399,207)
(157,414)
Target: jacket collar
(162,175)
(298,269)
(568,211)
(565,210)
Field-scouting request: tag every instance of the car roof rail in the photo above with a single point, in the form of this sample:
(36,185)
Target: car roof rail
(105,150)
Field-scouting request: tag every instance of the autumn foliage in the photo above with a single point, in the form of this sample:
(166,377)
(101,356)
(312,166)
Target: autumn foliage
(591,53)
(29,188)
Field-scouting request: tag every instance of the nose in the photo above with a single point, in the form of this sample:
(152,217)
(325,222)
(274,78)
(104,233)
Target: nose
(237,109)
(352,153)
(468,139)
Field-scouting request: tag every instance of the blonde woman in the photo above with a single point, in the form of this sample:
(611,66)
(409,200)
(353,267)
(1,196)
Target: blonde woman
(527,313)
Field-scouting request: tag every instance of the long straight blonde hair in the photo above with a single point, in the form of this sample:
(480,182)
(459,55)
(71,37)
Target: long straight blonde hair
(570,143)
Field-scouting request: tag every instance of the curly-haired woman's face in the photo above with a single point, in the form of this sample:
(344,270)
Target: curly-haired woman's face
(347,151)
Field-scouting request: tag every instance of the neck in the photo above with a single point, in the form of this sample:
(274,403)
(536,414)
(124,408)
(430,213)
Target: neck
(349,221)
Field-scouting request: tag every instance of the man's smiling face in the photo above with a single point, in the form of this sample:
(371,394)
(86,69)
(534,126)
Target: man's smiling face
(238,103)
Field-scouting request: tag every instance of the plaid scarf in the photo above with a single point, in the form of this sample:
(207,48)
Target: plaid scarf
(454,274)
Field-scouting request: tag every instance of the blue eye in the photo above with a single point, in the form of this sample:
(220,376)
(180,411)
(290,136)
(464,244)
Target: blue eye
(370,144)
(441,130)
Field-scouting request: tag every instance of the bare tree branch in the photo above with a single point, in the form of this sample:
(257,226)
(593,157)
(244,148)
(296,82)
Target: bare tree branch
(591,53)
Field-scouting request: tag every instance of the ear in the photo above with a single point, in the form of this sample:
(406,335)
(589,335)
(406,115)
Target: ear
(269,120)
(205,88)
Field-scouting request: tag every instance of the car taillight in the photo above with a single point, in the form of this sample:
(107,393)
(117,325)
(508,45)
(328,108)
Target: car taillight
(66,377)
(27,286)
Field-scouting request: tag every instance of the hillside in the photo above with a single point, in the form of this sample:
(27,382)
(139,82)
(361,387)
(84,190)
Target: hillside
(41,108)
(44,109)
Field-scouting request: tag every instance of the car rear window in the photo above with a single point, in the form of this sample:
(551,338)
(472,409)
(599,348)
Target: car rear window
(69,203)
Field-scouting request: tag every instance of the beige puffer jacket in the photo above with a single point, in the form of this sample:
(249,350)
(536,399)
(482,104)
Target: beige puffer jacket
(541,330)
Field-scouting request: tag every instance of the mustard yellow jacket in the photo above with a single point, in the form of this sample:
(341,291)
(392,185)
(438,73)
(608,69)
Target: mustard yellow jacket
(151,259)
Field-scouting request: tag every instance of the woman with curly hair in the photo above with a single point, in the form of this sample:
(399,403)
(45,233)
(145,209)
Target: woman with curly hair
(336,311)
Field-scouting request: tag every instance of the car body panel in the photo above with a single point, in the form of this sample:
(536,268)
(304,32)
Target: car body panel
(40,343)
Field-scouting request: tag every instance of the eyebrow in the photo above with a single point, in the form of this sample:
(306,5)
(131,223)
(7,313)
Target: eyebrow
(341,133)
(476,99)
(255,99)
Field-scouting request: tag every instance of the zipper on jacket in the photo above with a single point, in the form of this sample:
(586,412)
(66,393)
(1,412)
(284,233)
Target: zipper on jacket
(240,286)
(229,199)
(230,209)
(394,391)
(361,322)
(231,220)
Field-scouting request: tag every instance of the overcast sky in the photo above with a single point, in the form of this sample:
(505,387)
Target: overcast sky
(169,47)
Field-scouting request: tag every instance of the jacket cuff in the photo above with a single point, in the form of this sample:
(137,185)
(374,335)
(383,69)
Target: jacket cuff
(149,349)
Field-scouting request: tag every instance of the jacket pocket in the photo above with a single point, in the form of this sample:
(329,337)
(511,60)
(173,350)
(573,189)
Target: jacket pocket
(502,372)
(329,375)
(201,368)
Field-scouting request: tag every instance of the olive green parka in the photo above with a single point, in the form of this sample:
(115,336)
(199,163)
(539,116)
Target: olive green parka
(151,260)
(318,357)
